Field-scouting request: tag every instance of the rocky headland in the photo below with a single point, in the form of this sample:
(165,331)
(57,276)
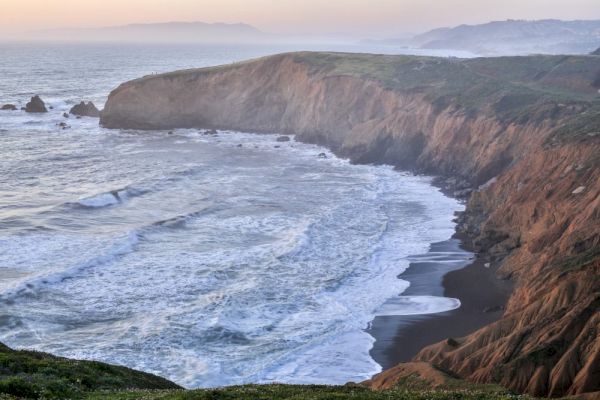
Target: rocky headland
(518,136)
(522,134)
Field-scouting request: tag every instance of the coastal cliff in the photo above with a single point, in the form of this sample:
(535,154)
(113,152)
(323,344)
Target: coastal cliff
(520,136)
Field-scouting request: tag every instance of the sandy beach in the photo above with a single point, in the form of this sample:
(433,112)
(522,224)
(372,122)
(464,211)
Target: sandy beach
(450,270)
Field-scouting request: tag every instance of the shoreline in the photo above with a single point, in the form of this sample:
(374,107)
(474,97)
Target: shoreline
(445,270)
(448,269)
(528,154)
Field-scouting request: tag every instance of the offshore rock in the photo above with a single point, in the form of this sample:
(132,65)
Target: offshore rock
(85,110)
(36,105)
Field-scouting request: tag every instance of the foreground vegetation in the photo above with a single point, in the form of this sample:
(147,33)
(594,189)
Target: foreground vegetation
(296,392)
(34,375)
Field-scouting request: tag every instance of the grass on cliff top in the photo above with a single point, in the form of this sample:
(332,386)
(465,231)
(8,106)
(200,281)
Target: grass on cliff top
(556,77)
(32,375)
(411,387)
(561,77)
(308,392)
(514,89)
(583,126)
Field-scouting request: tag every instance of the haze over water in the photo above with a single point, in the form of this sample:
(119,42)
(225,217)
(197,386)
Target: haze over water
(187,255)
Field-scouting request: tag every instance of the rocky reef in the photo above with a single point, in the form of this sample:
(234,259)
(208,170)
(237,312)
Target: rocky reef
(521,135)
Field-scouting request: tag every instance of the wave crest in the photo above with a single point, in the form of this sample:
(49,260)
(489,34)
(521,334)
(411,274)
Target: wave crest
(107,199)
(417,305)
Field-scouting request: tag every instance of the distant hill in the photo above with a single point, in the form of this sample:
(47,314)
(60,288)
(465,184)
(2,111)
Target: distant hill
(515,37)
(597,52)
(183,32)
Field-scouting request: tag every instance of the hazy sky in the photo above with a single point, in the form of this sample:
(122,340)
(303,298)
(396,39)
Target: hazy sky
(288,16)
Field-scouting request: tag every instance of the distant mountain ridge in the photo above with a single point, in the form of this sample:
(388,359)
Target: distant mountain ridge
(497,38)
(513,37)
(160,32)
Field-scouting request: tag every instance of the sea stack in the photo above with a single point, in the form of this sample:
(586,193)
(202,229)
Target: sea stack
(36,105)
(8,107)
(85,110)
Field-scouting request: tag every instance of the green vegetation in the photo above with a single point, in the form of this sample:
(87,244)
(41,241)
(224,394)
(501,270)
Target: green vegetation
(584,125)
(32,375)
(514,89)
(394,71)
(310,392)
(569,77)
(578,261)
(411,387)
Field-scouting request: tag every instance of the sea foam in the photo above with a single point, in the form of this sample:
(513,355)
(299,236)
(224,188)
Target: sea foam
(218,264)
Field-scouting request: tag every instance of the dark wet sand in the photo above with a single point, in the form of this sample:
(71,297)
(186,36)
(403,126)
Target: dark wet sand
(447,270)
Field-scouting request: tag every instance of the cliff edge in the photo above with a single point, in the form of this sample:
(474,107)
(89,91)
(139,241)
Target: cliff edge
(519,136)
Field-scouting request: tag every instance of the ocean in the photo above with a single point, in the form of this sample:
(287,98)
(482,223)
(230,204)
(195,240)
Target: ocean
(210,260)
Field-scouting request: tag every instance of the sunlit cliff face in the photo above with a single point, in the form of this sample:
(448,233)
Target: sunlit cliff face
(288,16)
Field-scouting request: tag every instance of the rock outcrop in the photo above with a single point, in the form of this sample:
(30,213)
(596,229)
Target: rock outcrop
(520,133)
(8,107)
(36,105)
(84,109)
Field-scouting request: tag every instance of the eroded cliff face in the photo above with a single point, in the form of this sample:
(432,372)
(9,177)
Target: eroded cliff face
(527,127)
(542,225)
